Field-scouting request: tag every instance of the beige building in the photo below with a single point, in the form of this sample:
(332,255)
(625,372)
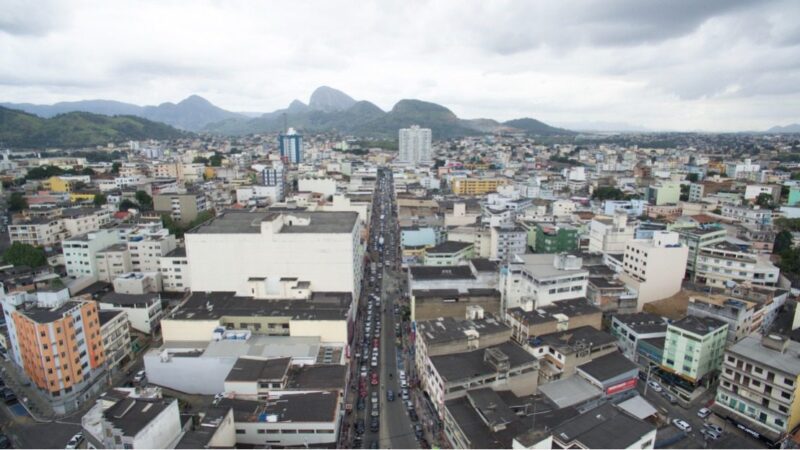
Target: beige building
(654,267)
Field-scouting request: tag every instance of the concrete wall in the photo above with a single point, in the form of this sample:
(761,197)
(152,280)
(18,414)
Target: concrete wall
(191,375)
(163,431)
(187,330)
(327,330)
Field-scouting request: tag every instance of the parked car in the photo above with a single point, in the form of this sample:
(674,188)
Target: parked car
(710,434)
(5,442)
(139,377)
(682,425)
(8,395)
(703,413)
(75,441)
(374,425)
(390,395)
(412,414)
(418,431)
(654,386)
(711,426)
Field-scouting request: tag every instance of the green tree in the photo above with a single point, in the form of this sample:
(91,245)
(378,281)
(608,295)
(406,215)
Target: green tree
(685,191)
(215,160)
(783,242)
(115,167)
(796,175)
(692,177)
(20,254)
(87,171)
(144,200)
(200,160)
(608,193)
(17,202)
(40,173)
(100,200)
(127,204)
(764,200)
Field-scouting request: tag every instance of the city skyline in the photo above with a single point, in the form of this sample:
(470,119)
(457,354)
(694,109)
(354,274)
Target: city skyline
(715,66)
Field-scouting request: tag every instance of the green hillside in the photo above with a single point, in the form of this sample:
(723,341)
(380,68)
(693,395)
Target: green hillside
(77,129)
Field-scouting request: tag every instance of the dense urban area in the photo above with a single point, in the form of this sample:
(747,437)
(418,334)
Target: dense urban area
(520,287)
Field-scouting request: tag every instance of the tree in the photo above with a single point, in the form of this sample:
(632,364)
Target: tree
(87,171)
(17,202)
(685,191)
(100,200)
(692,177)
(144,200)
(764,200)
(783,242)
(215,160)
(127,204)
(40,173)
(796,175)
(608,193)
(20,254)
(200,160)
(115,168)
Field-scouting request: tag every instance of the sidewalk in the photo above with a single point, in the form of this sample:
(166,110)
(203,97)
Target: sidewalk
(28,395)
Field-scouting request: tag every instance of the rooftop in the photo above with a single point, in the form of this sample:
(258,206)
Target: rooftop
(132,415)
(107,315)
(47,315)
(449,329)
(603,427)
(441,272)
(449,247)
(699,325)
(570,341)
(571,308)
(463,366)
(124,300)
(608,366)
(642,322)
(787,361)
(296,408)
(249,369)
(541,265)
(213,305)
(238,222)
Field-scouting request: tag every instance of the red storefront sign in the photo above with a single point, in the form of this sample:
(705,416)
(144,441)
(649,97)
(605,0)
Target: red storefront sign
(624,386)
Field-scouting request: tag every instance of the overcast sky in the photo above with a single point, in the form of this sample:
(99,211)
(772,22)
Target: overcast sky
(723,65)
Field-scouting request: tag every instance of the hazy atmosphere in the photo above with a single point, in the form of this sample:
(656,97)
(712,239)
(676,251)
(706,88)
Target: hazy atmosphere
(680,65)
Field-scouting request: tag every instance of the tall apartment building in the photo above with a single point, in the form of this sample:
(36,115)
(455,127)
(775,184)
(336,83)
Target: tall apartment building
(415,145)
(182,207)
(80,252)
(759,387)
(174,268)
(695,239)
(112,262)
(323,248)
(610,234)
(505,242)
(693,347)
(291,146)
(116,335)
(57,342)
(654,267)
(50,230)
(275,176)
(747,216)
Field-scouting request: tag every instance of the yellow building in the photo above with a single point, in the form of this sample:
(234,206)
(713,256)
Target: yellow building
(81,196)
(57,184)
(477,186)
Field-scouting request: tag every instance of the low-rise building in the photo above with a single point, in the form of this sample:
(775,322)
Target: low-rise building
(80,252)
(610,234)
(604,427)
(561,352)
(116,335)
(739,314)
(535,280)
(559,316)
(174,270)
(182,207)
(449,253)
(720,264)
(630,329)
(144,311)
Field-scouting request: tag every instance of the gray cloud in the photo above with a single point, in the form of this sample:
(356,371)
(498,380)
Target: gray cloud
(720,63)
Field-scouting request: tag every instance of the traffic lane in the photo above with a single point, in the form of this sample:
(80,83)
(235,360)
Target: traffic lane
(41,435)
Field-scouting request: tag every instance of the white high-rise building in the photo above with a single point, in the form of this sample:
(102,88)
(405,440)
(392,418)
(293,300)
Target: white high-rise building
(415,145)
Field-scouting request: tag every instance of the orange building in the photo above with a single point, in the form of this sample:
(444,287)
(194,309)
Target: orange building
(59,347)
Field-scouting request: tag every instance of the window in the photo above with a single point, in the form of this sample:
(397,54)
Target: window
(240,431)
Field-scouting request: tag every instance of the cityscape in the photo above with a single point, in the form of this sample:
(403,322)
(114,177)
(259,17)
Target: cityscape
(200,257)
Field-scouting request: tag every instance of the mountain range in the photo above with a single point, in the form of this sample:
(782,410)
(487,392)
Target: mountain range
(791,128)
(328,109)
(77,129)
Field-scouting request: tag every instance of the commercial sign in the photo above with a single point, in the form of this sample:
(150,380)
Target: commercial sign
(619,387)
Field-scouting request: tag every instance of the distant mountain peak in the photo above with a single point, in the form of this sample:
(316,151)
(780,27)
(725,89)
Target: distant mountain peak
(325,98)
(791,128)
(194,100)
(297,106)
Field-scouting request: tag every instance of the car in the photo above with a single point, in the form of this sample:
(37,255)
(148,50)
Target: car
(360,428)
(710,434)
(362,392)
(364,371)
(374,424)
(412,414)
(376,412)
(682,425)
(374,380)
(360,404)
(390,395)
(703,413)
(374,363)
(373,444)
(218,397)
(711,426)
(672,399)
(654,386)
(418,431)
(139,377)
(75,440)
(5,442)
(8,395)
